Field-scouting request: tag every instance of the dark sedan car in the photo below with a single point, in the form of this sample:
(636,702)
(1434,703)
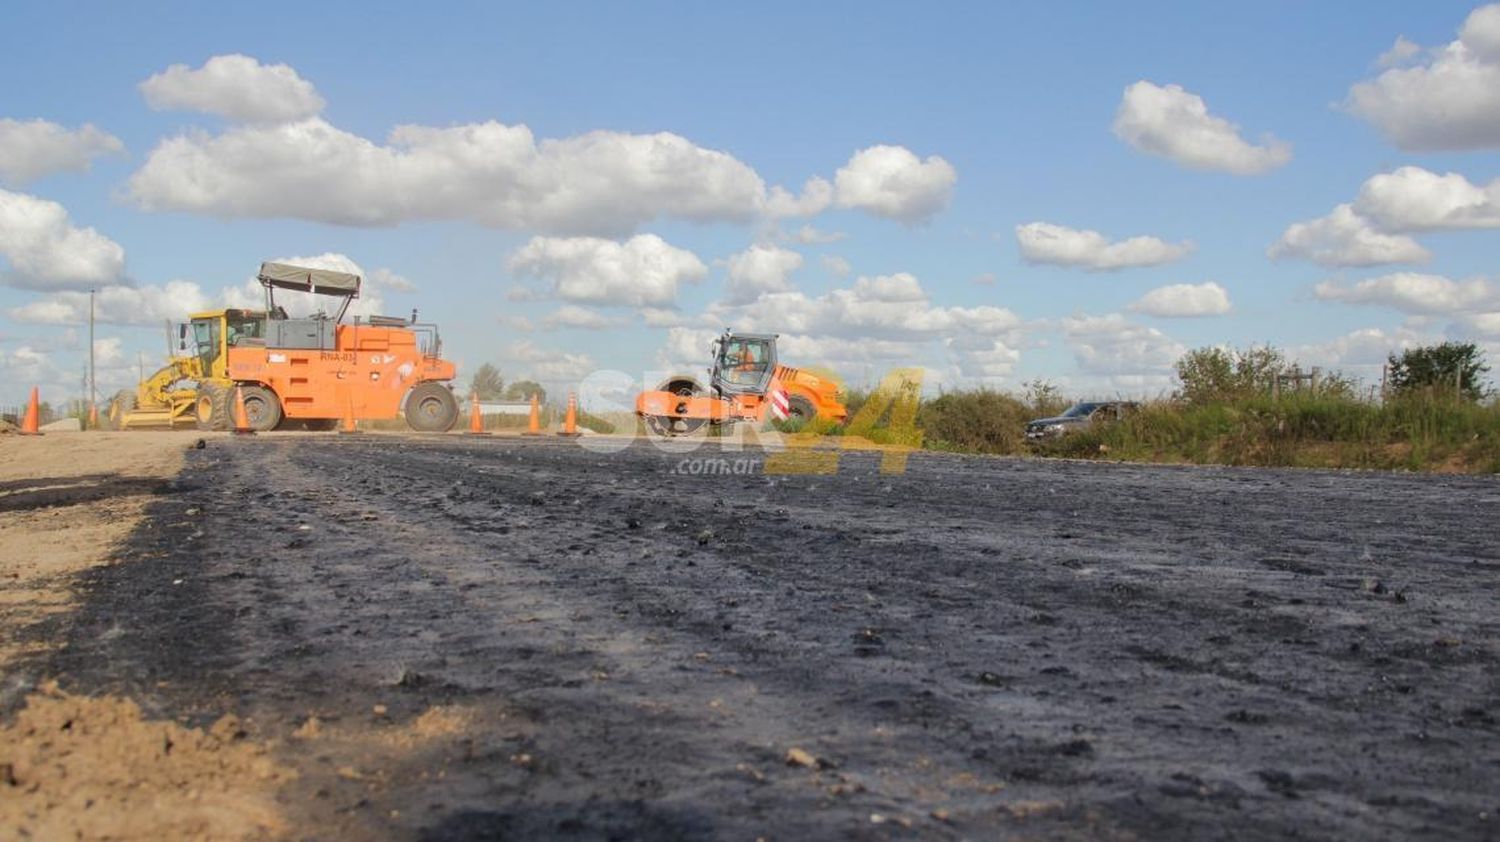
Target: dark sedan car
(1079,416)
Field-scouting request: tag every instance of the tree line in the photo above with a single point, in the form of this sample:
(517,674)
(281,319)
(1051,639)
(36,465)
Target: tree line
(489,385)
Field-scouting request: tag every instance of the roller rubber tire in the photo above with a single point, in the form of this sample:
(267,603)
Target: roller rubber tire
(262,407)
(431,408)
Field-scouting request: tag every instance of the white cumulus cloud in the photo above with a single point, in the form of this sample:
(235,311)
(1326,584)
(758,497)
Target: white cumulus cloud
(759,269)
(886,316)
(146,305)
(1344,238)
(1113,345)
(46,251)
(892,182)
(816,196)
(1415,199)
(1400,53)
(32,149)
(1374,228)
(237,87)
(1416,293)
(982,357)
(573,316)
(1450,99)
(387,279)
(25,366)
(807,235)
(498,175)
(280,159)
(1184,300)
(1175,124)
(1043,242)
(642,271)
(1484,324)
(550,367)
(1362,352)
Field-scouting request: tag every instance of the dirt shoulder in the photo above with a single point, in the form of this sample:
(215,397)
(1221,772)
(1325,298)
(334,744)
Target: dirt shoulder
(96,767)
(66,501)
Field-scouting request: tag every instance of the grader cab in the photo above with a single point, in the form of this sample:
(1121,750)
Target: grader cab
(746,383)
(311,370)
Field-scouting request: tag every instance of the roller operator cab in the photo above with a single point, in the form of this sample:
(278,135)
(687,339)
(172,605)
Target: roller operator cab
(743,363)
(746,383)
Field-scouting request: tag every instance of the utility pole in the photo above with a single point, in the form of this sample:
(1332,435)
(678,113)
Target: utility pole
(93,384)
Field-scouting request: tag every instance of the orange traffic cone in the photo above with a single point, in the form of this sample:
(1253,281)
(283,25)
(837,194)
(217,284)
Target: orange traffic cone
(241,418)
(348,426)
(534,427)
(31,424)
(476,420)
(570,422)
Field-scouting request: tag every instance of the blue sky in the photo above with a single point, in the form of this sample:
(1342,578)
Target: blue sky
(1154,149)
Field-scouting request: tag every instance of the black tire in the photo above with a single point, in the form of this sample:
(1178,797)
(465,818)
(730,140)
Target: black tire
(262,408)
(119,406)
(431,408)
(211,408)
(800,410)
(320,425)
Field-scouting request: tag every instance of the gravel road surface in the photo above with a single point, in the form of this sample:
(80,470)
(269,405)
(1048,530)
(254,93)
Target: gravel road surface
(975,648)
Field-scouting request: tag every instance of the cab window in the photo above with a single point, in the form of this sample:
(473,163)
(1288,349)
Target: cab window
(246,327)
(206,337)
(743,362)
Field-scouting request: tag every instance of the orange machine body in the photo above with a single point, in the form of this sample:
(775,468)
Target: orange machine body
(371,367)
(820,393)
(745,383)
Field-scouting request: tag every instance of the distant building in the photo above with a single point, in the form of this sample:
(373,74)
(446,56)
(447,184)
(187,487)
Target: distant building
(504,407)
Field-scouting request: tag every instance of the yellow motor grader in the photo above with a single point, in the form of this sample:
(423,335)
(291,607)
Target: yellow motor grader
(169,397)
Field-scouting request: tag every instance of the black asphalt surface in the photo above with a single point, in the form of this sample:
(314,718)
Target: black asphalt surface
(975,648)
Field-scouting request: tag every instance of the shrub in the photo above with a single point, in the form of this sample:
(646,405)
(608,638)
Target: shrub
(1450,369)
(981,421)
(1044,399)
(1217,374)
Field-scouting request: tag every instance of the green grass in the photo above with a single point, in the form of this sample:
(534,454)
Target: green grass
(1417,432)
(595,423)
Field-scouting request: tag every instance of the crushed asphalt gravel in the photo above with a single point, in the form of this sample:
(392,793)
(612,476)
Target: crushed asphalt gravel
(650,646)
